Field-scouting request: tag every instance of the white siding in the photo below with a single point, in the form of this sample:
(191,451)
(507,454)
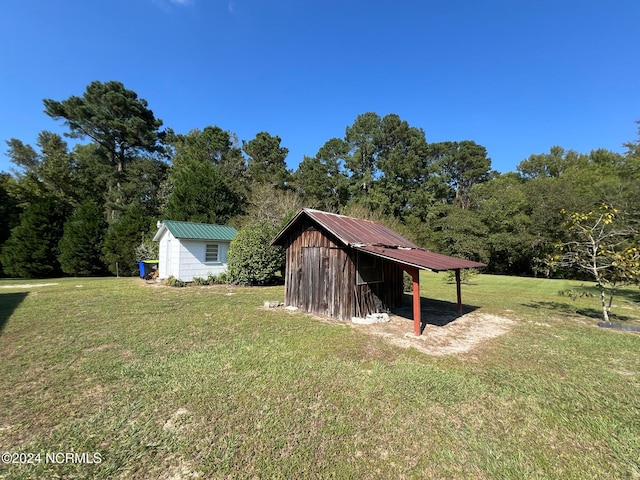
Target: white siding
(192,255)
(163,264)
(173,252)
(185,259)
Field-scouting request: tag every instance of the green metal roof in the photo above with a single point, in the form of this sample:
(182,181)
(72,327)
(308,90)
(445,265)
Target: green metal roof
(199,231)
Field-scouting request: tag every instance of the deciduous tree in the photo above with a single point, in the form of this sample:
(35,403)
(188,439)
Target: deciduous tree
(602,246)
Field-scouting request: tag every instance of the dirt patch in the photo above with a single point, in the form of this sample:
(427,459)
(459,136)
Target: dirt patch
(28,285)
(442,338)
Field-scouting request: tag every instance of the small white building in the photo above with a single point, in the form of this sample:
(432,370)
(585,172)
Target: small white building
(188,250)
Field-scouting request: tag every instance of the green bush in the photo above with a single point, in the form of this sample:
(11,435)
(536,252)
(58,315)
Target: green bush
(175,282)
(252,260)
(218,279)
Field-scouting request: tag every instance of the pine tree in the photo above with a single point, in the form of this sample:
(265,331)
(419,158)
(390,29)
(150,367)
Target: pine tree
(82,241)
(32,249)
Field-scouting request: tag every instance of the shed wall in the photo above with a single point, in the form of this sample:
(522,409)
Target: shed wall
(192,255)
(321,277)
(168,253)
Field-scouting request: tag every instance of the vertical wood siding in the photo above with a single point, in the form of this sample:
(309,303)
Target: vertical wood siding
(320,277)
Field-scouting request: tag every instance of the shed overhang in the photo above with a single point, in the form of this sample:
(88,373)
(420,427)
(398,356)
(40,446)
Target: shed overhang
(419,258)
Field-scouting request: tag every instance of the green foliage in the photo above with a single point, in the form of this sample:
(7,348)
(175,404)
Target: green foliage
(200,194)
(221,278)
(113,117)
(122,238)
(381,165)
(549,165)
(320,179)
(405,186)
(138,186)
(175,282)
(82,241)
(217,147)
(50,171)
(361,162)
(252,260)
(32,249)
(267,160)
(9,208)
(601,245)
(466,275)
(462,165)
(457,232)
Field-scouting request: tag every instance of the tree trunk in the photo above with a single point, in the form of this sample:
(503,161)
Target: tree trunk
(603,300)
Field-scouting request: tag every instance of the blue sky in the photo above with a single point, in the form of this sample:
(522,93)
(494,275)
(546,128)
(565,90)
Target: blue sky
(515,76)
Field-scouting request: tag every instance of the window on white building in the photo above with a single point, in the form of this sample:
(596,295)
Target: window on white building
(211,254)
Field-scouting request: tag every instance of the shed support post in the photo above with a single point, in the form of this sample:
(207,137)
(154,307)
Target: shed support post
(458,291)
(415,277)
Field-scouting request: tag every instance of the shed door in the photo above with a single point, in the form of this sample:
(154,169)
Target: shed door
(316,282)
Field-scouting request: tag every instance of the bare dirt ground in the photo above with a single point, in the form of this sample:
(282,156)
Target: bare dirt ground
(444,334)
(28,285)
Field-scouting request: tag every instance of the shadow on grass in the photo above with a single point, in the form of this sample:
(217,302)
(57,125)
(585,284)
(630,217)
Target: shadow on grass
(569,310)
(8,303)
(432,312)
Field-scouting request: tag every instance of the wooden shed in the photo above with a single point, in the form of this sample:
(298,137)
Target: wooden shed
(344,267)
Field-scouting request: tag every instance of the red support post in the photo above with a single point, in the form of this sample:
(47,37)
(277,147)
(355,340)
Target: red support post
(415,276)
(458,291)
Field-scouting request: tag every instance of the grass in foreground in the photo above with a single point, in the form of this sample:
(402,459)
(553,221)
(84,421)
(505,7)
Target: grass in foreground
(203,383)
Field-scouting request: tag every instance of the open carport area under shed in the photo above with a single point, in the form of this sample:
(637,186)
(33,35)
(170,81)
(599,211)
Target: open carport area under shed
(343,267)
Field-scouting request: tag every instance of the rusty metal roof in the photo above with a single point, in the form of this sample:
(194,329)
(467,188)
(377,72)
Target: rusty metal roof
(420,258)
(376,239)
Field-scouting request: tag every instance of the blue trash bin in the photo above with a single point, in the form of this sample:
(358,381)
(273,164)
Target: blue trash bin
(147,267)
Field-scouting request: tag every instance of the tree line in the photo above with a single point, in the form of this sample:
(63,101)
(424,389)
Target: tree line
(85,209)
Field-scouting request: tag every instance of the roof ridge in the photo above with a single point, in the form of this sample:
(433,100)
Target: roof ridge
(344,216)
(197,223)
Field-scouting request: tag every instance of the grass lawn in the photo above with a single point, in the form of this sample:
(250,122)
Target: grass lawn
(201,382)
